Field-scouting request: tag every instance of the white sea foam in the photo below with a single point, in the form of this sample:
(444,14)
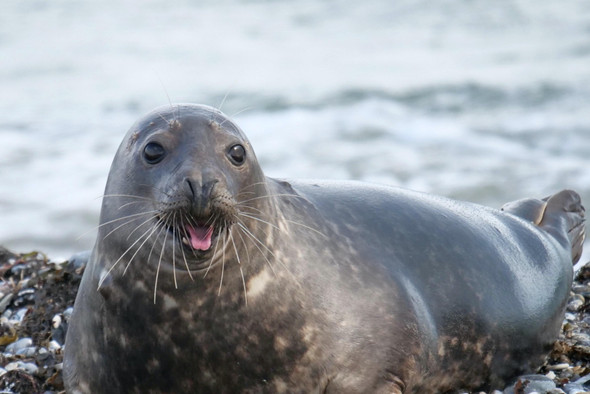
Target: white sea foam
(480,101)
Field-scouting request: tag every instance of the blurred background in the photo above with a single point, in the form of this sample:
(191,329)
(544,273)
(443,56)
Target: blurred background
(482,101)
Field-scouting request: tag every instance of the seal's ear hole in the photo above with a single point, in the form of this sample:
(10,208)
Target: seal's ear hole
(237,154)
(153,152)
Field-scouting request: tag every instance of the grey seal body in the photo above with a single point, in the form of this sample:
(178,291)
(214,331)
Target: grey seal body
(208,276)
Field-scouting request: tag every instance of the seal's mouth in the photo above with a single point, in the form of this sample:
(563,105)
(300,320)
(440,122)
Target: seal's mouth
(198,237)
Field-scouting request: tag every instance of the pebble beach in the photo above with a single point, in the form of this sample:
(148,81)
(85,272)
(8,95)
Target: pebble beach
(37,295)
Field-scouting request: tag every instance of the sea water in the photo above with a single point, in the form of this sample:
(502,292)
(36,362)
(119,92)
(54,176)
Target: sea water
(482,101)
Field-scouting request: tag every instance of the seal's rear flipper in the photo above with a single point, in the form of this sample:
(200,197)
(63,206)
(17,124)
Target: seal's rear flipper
(565,212)
(561,215)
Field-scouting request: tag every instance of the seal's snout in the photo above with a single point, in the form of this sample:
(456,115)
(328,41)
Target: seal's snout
(199,230)
(199,195)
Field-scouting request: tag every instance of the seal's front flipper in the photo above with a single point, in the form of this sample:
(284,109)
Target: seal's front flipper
(561,215)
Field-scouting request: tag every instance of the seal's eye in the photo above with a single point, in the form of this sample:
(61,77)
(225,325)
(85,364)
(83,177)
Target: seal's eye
(237,154)
(153,153)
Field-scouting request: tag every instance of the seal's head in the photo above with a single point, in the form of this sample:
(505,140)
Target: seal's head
(178,182)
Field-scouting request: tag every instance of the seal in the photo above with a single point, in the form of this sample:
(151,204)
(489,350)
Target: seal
(207,276)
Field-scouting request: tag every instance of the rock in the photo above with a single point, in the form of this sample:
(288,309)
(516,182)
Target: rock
(22,366)
(575,302)
(18,345)
(29,367)
(529,384)
(18,317)
(78,261)
(5,302)
(54,347)
(27,352)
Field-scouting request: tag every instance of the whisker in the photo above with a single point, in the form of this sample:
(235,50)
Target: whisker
(240,266)
(116,220)
(223,101)
(182,250)
(174,251)
(222,267)
(255,184)
(129,203)
(245,192)
(245,248)
(240,111)
(153,230)
(307,227)
(234,114)
(270,196)
(241,225)
(252,208)
(258,219)
(159,264)
(165,91)
(212,256)
(165,120)
(251,236)
(162,227)
(126,195)
(136,228)
(285,220)
(117,262)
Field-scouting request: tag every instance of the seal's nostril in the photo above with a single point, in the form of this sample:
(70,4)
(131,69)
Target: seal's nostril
(191,188)
(207,189)
(199,195)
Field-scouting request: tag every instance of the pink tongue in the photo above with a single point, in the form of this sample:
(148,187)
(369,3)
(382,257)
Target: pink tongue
(200,237)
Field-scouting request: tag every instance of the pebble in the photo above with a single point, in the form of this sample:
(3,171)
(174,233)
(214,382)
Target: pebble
(581,289)
(18,317)
(5,302)
(18,345)
(575,303)
(26,298)
(570,316)
(78,261)
(30,368)
(56,321)
(6,314)
(558,367)
(43,354)
(7,333)
(17,269)
(583,380)
(27,367)
(532,384)
(68,313)
(566,372)
(59,261)
(574,388)
(59,330)
(27,352)
(54,347)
